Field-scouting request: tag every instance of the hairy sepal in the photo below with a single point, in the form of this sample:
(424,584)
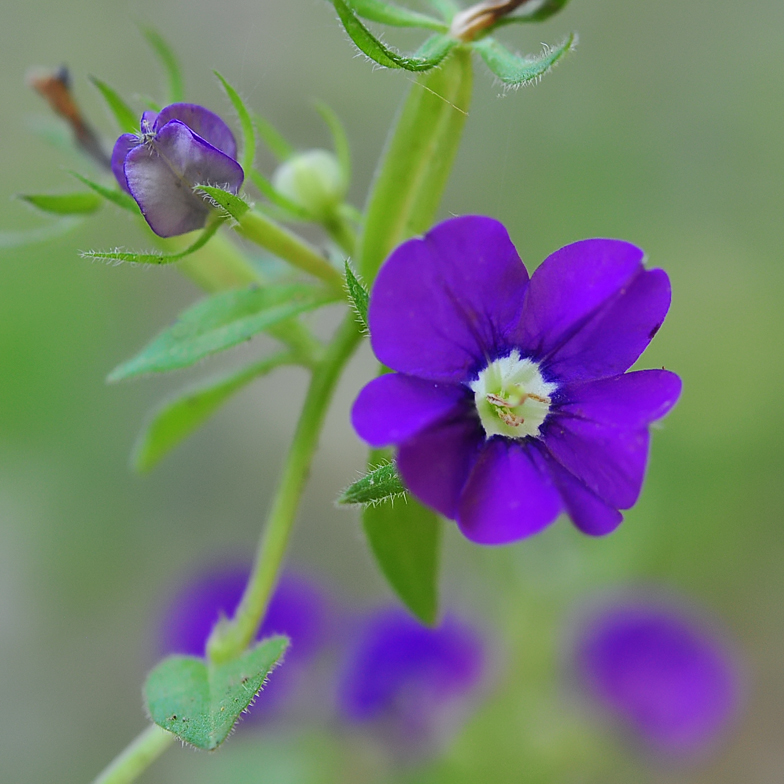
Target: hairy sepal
(516,71)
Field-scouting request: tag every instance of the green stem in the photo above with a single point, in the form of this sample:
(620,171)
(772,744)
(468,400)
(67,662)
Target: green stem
(137,757)
(342,233)
(230,638)
(288,246)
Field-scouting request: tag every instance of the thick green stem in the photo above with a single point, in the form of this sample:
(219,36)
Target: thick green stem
(230,638)
(137,757)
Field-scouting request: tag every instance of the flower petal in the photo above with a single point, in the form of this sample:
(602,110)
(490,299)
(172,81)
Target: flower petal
(615,336)
(609,460)
(442,305)
(203,123)
(509,495)
(436,462)
(629,400)
(569,286)
(587,511)
(121,149)
(394,407)
(162,173)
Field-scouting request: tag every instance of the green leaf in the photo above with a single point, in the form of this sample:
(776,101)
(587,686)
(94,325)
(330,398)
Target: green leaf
(447,8)
(395,15)
(545,11)
(429,55)
(176,419)
(220,322)
(358,296)
(232,205)
(339,139)
(381,484)
(246,125)
(156,257)
(114,195)
(405,538)
(516,71)
(10,240)
(277,198)
(274,140)
(199,702)
(416,163)
(125,116)
(65,203)
(169,61)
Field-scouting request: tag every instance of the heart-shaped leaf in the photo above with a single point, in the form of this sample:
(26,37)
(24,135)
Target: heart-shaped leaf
(200,702)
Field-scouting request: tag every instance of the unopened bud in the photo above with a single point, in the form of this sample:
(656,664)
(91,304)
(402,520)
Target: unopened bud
(312,180)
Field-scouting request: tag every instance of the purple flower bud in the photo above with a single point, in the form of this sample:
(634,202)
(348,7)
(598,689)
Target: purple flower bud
(298,609)
(183,146)
(658,670)
(409,683)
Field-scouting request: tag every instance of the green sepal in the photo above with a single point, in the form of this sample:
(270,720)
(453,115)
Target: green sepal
(222,321)
(169,61)
(380,484)
(114,195)
(65,203)
(274,140)
(180,416)
(125,117)
(545,11)
(429,55)
(229,204)
(405,538)
(394,15)
(200,702)
(10,240)
(267,189)
(246,125)
(517,71)
(339,139)
(155,257)
(359,297)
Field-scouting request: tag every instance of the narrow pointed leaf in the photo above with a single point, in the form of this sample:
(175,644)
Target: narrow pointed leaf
(380,484)
(447,8)
(200,702)
(516,71)
(177,418)
(232,205)
(10,240)
(169,61)
(65,203)
(394,15)
(125,117)
(358,296)
(545,11)
(274,140)
(220,322)
(429,55)
(114,195)
(155,257)
(246,125)
(277,198)
(339,139)
(405,538)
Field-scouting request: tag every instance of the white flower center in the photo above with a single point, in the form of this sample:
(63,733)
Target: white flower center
(511,397)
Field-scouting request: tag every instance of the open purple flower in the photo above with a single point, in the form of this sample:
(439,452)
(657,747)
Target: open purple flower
(183,146)
(511,403)
(659,672)
(298,609)
(409,682)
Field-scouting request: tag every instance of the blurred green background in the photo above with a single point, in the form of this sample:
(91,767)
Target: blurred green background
(663,129)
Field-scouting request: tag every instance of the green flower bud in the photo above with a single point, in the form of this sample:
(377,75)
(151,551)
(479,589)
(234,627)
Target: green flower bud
(312,180)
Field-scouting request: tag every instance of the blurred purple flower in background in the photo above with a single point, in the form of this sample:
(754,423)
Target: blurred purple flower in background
(658,670)
(511,403)
(410,684)
(183,146)
(299,609)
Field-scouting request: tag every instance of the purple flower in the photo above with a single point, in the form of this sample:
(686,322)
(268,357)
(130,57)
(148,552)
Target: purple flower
(298,609)
(408,681)
(183,146)
(510,403)
(659,671)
